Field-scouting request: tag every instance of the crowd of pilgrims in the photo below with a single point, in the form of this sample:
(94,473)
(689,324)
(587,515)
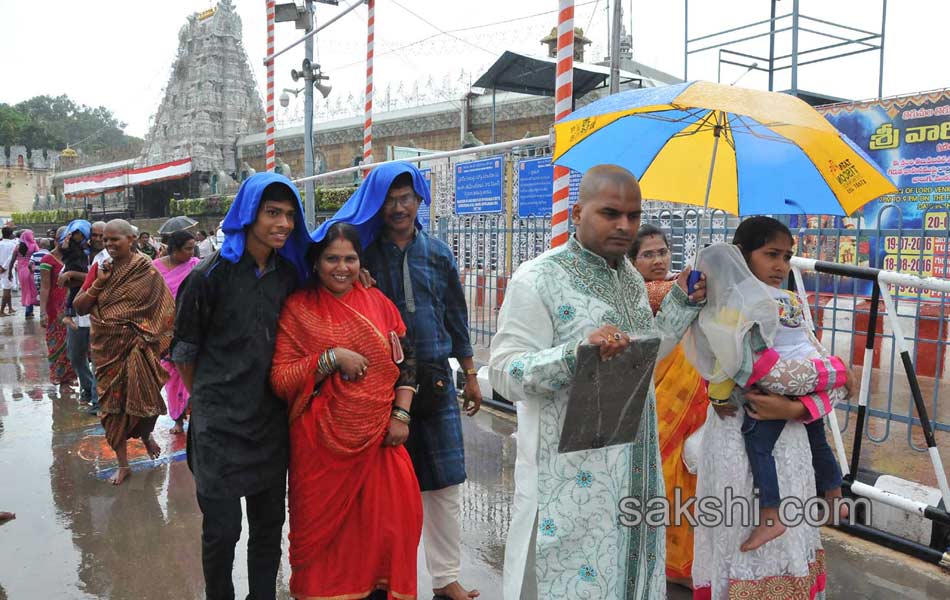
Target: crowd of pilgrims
(312,370)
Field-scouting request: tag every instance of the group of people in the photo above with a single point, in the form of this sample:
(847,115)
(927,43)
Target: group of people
(315,369)
(308,365)
(739,375)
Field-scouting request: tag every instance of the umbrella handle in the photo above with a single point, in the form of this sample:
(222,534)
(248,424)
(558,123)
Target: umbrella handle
(717,133)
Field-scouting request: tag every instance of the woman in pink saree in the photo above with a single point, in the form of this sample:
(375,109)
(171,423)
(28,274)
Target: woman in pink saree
(29,295)
(174,267)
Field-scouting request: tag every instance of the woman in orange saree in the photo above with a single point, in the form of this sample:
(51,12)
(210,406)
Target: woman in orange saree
(681,402)
(355,506)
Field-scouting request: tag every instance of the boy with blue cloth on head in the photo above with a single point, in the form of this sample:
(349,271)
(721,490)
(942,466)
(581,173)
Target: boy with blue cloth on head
(225,327)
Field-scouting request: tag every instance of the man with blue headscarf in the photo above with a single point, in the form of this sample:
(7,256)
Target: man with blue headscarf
(225,327)
(418,273)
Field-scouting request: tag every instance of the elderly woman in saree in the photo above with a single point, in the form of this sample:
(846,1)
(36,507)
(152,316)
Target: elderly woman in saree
(132,319)
(339,362)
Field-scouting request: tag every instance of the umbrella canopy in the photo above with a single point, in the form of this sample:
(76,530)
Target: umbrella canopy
(743,151)
(176,224)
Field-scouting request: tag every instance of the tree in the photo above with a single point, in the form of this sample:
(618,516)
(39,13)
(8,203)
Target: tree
(12,124)
(53,122)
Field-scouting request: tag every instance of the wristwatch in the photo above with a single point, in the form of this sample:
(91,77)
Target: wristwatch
(471,372)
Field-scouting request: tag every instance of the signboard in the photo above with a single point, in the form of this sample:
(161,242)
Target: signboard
(425,210)
(536,186)
(478,186)
(574,189)
(909,138)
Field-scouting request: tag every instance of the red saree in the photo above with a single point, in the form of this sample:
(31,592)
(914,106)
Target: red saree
(355,506)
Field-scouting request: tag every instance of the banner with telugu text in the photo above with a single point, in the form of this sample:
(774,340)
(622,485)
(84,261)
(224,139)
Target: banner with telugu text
(909,137)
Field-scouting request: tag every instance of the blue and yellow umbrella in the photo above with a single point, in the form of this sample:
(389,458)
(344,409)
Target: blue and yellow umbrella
(744,151)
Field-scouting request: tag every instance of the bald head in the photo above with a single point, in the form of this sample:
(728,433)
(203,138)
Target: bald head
(607,214)
(120,227)
(594,180)
(118,238)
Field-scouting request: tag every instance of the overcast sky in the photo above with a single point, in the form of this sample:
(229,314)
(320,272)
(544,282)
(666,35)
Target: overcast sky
(118,53)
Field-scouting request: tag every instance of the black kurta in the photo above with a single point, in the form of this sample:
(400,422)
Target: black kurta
(226,323)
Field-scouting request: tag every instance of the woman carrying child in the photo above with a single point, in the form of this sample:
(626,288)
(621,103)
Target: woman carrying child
(753,346)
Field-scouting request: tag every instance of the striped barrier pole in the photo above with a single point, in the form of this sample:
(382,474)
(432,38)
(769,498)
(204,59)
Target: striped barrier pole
(368,121)
(563,104)
(269,152)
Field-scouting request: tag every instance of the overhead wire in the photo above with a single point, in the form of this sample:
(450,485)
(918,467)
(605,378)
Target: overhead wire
(449,32)
(444,32)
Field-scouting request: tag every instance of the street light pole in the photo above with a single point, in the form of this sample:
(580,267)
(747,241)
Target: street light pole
(309,209)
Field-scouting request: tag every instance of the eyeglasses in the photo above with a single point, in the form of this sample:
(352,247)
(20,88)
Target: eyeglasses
(650,255)
(404,201)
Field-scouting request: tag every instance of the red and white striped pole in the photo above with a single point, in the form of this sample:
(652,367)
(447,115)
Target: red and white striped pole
(269,152)
(368,122)
(563,104)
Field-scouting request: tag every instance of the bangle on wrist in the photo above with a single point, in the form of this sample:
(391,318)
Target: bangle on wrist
(327,363)
(401,414)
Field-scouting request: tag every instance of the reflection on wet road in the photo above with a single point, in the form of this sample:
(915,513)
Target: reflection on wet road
(77,536)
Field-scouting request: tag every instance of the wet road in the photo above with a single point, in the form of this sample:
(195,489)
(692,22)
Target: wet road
(76,536)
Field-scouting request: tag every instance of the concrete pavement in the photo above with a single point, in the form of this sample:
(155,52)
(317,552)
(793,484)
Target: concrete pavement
(76,536)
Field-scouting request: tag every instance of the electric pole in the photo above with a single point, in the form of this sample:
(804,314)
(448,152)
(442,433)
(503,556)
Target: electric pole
(615,48)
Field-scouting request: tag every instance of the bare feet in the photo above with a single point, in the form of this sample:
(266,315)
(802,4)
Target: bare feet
(769,529)
(120,475)
(153,449)
(455,591)
(6,516)
(833,497)
(178,427)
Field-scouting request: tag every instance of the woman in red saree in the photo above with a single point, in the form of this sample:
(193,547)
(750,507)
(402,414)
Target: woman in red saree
(52,307)
(355,506)
(681,401)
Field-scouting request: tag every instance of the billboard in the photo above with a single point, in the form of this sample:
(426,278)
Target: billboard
(909,138)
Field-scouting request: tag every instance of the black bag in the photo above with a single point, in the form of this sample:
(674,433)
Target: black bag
(435,389)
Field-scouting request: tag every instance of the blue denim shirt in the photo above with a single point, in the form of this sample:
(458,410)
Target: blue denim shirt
(436,314)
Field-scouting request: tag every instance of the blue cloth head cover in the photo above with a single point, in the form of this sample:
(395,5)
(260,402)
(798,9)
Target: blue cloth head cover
(243,212)
(81,225)
(362,209)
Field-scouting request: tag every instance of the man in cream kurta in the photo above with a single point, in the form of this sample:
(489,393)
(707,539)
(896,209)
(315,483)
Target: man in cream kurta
(565,540)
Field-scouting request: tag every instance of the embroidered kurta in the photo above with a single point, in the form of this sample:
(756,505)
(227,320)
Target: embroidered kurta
(565,540)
